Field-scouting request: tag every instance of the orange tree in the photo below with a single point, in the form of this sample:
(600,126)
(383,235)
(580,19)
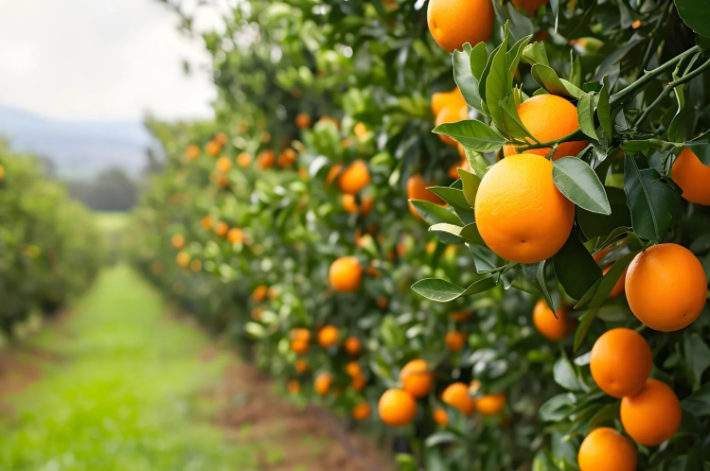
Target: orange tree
(556,321)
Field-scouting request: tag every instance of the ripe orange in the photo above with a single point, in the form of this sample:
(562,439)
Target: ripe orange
(442,100)
(333,173)
(360,130)
(451,114)
(491,404)
(692,176)
(417,190)
(605,449)
(382,302)
(272,292)
(196,266)
(529,5)
(301,334)
(361,411)
(206,222)
(192,152)
(460,316)
(416,378)
(666,287)
(178,241)
(549,117)
(328,336)
(183,259)
(259,293)
(653,415)
(213,148)
(354,178)
(2,172)
(358,382)
(303,120)
(397,407)
(520,213)
(621,362)
(301,366)
(461,164)
(456,395)
(353,369)
(323,383)
(265,159)
(545,322)
(455,341)
(221,138)
(243,160)
(299,346)
(453,23)
(345,274)
(441,417)
(235,235)
(221,228)
(352,345)
(619,286)
(350,205)
(294,387)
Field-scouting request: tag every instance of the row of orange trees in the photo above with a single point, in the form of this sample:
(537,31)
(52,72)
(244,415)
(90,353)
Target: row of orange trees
(49,248)
(524,288)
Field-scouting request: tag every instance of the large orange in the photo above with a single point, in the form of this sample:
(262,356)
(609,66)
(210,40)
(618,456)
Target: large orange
(653,415)
(520,213)
(397,407)
(442,100)
(549,117)
(621,362)
(666,287)
(417,190)
(491,404)
(416,378)
(328,336)
(451,114)
(455,341)
(345,274)
(692,176)
(456,395)
(554,328)
(354,178)
(605,449)
(453,23)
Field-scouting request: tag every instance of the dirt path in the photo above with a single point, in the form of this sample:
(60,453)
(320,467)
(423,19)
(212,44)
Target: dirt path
(119,385)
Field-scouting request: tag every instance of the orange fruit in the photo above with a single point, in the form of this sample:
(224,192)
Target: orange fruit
(520,213)
(653,415)
(619,286)
(353,369)
(196,266)
(605,449)
(360,130)
(265,159)
(323,383)
(243,160)
(328,336)
(397,407)
(206,222)
(692,176)
(259,293)
(303,120)
(272,292)
(460,316)
(354,178)
(213,148)
(294,387)
(530,6)
(235,235)
(549,117)
(358,382)
(456,395)
(178,241)
(621,362)
(265,137)
(451,114)
(221,229)
(361,411)
(416,378)
(350,205)
(441,417)
(382,302)
(221,138)
(301,334)
(301,366)
(455,341)
(545,322)
(666,287)
(333,173)
(192,152)
(299,346)
(417,190)
(461,164)
(352,345)
(453,23)
(491,404)
(183,259)
(442,100)
(345,274)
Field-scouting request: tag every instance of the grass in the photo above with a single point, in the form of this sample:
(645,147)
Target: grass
(123,394)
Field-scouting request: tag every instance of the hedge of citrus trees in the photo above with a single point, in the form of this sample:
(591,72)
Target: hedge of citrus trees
(524,288)
(49,248)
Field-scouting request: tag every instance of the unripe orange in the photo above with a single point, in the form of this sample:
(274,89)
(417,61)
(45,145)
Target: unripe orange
(653,415)
(621,362)
(345,274)
(397,408)
(328,336)
(456,395)
(416,378)
(354,178)
(605,449)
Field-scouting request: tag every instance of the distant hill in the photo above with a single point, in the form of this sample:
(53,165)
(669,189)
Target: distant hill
(79,150)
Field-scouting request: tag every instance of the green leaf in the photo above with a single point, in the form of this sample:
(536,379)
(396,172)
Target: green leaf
(565,374)
(604,109)
(585,115)
(484,258)
(471,183)
(406,462)
(681,127)
(468,67)
(477,163)
(608,281)
(695,14)
(697,357)
(652,200)
(535,54)
(535,274)
(701,147)
(498,85)
(447,233)
(451,195)
(440,438)
(434,213)
(471,235)
(516,52)
(598,225)
(546,77)
(442,291)
(585,322)
(556,408)
(575,71)
(580,184)
(473,134)
(698,403)
(605,414)
(575,267)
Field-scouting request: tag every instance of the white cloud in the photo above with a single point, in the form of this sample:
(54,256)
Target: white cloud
(101,60)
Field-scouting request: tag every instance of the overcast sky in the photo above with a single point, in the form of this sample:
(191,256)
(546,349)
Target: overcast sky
(100,60)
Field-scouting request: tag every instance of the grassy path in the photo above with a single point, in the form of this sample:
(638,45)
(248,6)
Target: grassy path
(118,390)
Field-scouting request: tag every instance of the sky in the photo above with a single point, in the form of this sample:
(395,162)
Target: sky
(102,60)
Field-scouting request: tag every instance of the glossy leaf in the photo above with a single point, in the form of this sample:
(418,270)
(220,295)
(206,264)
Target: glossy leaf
(695,14)
(585,115)
(451,195)
(473,134)
(575,267)
(433,213)
(471,182)
(535,274)
(442,291)
(578,182)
